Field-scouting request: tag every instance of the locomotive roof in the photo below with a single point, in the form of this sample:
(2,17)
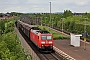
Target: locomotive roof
(35,28)
(43,32)
(40,31)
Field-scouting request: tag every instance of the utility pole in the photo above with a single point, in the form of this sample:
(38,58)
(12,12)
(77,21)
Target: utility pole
(62,25)
(52,22)
(41,19)
(50,12)
(45,20)
(85,33)
(37,20)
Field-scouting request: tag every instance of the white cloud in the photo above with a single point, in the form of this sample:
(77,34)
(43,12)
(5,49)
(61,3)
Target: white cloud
(43,5)
(82,3)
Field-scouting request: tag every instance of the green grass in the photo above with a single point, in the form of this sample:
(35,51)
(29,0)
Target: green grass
(55,34)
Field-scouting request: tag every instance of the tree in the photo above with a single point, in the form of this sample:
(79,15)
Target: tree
(67,13)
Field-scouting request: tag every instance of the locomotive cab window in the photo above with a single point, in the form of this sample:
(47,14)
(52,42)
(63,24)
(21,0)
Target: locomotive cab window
(49,37)
(43,37)
(46,37)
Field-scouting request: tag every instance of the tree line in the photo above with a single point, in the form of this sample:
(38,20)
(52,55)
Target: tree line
(72,22)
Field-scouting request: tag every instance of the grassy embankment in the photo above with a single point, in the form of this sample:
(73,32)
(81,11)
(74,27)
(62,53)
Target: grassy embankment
(56,35)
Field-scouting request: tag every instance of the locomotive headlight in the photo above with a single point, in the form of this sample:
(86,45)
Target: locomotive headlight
(50,42)
(43,42)
(42,45)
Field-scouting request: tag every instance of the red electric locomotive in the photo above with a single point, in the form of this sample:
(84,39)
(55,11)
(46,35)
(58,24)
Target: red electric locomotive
(41,38)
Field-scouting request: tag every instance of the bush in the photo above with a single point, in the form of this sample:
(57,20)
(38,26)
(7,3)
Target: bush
(10,46)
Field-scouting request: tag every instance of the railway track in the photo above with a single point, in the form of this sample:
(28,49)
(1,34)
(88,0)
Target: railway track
(42,56)
(59,31)
(66,34)
(50,56)
(53,56)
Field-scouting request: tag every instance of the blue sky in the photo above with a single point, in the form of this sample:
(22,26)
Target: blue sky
(41,6)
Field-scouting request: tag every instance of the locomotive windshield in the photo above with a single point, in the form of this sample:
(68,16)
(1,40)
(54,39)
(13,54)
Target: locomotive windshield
(49,37)
(46,37)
